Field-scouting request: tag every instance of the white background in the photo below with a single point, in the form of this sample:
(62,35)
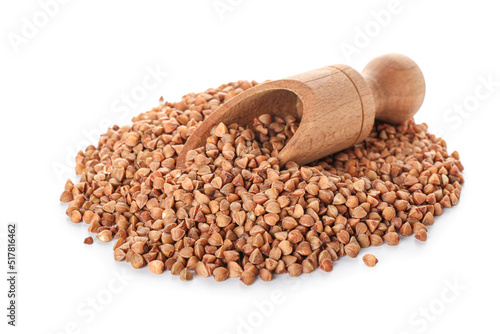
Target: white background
(67,78)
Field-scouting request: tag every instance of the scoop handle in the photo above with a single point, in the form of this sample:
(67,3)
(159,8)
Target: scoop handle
(397,85)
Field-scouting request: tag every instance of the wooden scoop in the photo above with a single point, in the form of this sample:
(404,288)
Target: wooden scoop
(336,106)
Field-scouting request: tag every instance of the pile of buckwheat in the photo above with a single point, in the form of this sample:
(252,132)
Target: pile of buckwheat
(233,212)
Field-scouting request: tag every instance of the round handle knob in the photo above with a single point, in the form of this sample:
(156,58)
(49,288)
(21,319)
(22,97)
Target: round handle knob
(397,85)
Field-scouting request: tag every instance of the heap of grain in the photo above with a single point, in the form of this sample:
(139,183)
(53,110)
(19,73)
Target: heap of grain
(233,212)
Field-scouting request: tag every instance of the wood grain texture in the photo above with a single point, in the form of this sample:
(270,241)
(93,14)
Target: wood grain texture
(335,104)
(332,118)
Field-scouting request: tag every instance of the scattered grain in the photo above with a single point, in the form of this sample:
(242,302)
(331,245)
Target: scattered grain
(370,260)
